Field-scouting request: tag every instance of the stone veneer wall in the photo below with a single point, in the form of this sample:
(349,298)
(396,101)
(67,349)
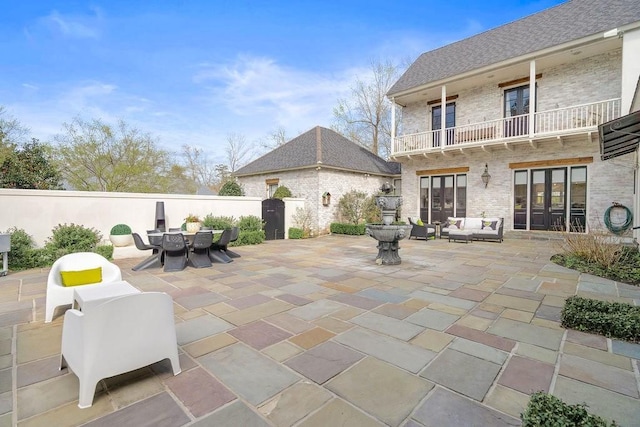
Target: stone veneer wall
(310,184)
(607,182)
(561,86)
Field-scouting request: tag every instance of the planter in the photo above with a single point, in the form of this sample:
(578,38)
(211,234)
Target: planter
(193,227)
(121,240)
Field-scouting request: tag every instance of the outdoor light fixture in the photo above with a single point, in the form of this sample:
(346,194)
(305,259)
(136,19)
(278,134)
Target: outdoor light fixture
(485,175)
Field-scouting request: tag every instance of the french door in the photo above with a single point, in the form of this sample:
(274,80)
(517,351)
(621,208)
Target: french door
(443,196)
(548,199)
(516,110)
(436,122)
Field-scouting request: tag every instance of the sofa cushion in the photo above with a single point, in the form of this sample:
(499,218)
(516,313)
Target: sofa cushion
(473,223)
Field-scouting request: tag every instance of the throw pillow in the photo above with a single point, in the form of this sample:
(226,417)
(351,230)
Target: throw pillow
(81,277)
(489,224)
(419,222)
(454,224)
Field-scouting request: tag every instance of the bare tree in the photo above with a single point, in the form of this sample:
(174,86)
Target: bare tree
(365,117)
(201,171)
(238,151)
(274,139)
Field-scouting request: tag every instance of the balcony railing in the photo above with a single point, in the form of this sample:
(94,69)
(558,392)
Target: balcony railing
(546,123)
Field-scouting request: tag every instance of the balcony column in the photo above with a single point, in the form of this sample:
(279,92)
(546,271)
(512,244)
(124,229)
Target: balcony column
(393,120)
(532,97)
(443,117)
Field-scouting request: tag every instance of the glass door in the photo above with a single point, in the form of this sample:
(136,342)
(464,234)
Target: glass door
(442,197)
(436,123)
(548,199)
(516,110)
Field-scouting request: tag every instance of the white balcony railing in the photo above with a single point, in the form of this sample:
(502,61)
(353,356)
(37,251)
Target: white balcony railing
(550,122)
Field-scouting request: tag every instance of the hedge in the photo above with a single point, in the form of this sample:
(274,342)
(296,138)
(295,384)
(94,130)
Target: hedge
(547,410)
(296,233)
(611,319)
(352,229)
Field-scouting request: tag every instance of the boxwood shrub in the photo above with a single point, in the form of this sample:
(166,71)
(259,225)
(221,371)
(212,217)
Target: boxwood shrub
(611,319)
(547,410)
(296,233)
(352,229)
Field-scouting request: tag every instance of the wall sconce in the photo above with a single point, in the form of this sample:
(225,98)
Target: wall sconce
(326,198)
(485,175)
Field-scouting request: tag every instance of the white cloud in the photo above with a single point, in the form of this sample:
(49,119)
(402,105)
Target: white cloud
(251,86)
(75,26)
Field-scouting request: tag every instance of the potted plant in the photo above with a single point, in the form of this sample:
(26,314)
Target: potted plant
(120,235)
(192,223)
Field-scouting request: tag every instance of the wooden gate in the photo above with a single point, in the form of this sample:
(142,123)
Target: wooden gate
(273,217)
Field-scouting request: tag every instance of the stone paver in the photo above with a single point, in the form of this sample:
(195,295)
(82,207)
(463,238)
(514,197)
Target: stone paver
(324,361)
(361,385)
(463,373)
(314,333)
(444,408)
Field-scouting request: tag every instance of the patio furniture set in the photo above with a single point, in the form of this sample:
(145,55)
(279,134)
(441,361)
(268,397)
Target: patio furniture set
(464,229)
(97,339)
(175,249)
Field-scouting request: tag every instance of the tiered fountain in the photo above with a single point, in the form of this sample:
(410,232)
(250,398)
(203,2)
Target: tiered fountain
(386,234)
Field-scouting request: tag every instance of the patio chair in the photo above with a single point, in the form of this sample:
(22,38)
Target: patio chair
(81,263)
(176,251)
(175,229)
(235,232)
(120,335)
(155,260)
(155,240)
(216,252)
(424,231)
(199,256)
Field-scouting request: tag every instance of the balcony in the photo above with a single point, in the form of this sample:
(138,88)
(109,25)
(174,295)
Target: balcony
(554,123)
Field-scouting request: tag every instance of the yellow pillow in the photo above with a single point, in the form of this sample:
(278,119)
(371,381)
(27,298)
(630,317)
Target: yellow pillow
(81,277)
(419,222)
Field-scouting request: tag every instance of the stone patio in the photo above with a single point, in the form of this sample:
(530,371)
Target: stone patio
(314,333)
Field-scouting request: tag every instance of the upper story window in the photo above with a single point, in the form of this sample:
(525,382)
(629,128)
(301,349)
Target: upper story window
(450,118)
(516,101)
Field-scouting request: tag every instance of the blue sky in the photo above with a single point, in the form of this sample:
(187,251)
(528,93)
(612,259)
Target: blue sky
(194,71)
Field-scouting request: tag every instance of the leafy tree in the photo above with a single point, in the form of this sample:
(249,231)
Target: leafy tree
(12,133)
(95,156)
(231,188)
(282,192)
(352,206)
(365,118)
(30,166)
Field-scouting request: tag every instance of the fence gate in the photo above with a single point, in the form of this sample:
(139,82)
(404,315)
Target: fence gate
(273,216)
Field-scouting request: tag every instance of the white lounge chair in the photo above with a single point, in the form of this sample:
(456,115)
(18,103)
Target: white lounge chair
(120,335)
(58,295)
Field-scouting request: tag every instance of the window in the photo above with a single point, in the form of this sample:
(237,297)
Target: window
(442,196)
(272,189)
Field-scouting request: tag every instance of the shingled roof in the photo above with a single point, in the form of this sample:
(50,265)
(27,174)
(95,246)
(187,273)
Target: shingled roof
(564,23)
(320,147)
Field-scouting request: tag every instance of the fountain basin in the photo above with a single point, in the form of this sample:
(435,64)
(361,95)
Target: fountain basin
(388,237)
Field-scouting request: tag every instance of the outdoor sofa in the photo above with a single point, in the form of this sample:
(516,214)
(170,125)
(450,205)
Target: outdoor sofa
(489,228)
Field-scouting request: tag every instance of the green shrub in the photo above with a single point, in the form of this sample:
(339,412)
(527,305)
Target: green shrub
(249,238)
(120,230)
(625,269)
(250,223)
(352,229)
(218,222)
(281,192)
(611,319)
(231,188)
(353,206)
(69,238)
(547,410)
(296,233)
(105,250)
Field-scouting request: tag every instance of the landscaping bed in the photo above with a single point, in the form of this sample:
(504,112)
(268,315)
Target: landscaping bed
(547,410)
(611,319)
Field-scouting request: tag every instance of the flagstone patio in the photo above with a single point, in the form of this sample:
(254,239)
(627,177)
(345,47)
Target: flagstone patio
(314,333)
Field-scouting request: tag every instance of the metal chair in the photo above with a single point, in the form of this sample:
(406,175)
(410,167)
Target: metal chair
(155,260)
(199,256)
(175,252)
(216,252)
(175,229)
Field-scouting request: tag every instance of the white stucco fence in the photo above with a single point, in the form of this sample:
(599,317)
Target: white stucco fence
(38,211)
